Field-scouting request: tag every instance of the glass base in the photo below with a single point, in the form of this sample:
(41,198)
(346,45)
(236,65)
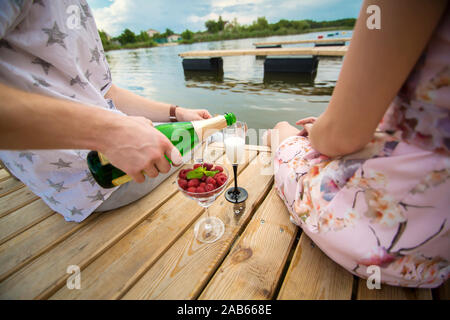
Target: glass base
(209,229)
(236,197)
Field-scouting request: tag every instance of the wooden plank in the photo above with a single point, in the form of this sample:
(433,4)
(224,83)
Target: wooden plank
(16,200)
(315,51)
(22,219)
(391,293)
(331,40)
(442,292)
(183,271)
(10,185)
(115,271)
(35,241)
(253,268)
(46,274)
(4,174)
(312,276)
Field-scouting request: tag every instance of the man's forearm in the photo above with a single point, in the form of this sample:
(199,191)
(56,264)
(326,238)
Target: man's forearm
(135,105)
(33,121)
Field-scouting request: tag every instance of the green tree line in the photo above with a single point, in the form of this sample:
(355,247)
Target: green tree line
(224,30)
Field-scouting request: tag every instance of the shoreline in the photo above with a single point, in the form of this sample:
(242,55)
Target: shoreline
(216,37)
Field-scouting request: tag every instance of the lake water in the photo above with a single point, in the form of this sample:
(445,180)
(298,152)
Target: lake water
(157,73)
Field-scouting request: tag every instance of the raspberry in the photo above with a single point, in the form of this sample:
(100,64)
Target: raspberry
(208,166)
(209,187)
(193,183)
(203,179)
(200,190)
(192,189)
(202,184)
(221,180)
(211,180)
(182,174)
(220,174)
(183,183)
(197,165)
(218,168)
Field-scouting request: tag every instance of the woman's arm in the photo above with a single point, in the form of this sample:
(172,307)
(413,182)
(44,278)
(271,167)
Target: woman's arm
(135,105)
(374,69)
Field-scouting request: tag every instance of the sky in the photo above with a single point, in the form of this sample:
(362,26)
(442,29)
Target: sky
(113,16)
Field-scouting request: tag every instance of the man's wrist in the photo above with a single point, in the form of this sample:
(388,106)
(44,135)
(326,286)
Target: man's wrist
(173,116)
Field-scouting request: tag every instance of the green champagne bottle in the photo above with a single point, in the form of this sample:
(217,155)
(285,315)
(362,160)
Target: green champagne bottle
(183,135)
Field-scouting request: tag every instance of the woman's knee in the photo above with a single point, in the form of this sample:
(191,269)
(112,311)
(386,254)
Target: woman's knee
(282,124)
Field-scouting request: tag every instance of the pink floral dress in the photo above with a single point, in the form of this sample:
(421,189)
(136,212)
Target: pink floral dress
(387,205)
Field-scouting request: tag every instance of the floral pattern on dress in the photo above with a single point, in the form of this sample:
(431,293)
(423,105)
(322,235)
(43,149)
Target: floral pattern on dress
(387,205)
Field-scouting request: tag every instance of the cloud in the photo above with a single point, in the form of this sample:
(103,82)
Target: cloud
(114,16)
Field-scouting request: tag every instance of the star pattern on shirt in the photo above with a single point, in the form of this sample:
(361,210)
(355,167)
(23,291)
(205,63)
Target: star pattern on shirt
(75,211)
(55,35)
(107,75)
(86,10)
(20,166)
(5,44)
(29,155)
(83,20)
(61,164)
(78,81)
(87,74)
(39,2)
(39,82)
(98,197)
(52,200)
(95,55)
(89,178)
(44,64)
(57,186)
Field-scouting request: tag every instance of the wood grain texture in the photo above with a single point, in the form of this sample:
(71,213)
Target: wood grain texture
(35,241)
(442,292)
(10,185)
(391,293)
(330,40)
(4,174)
(253,268)
(183,271)
(22,219)
(46,274)
(315,51)
(16,200)
(312,275)
(121,265)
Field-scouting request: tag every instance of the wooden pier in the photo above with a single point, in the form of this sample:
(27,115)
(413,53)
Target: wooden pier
(147,249)
(304,51)
(315,41)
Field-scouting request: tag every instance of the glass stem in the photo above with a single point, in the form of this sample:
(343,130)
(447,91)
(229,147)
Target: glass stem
(235,167)
(208,221)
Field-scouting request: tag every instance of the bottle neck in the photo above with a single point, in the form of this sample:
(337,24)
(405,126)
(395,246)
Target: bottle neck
(206,128)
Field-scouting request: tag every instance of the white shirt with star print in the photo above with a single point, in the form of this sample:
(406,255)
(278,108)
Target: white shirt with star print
(53,48)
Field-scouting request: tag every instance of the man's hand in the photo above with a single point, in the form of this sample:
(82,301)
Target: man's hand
(191,114)
(136,147)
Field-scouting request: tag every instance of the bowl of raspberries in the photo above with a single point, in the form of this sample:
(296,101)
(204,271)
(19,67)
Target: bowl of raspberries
(203,182)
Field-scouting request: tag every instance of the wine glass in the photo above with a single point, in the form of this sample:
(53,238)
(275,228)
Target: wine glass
(208,229)
(234,141)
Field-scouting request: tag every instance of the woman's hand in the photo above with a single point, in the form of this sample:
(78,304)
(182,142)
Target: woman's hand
(184,114)
(307,124)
